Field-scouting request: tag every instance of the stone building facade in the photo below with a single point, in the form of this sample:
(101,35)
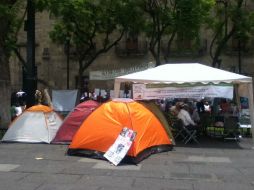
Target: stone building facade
(52,68)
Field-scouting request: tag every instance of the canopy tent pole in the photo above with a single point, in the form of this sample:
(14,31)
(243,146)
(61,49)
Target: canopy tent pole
(237,97)
(117,89)
(251,108)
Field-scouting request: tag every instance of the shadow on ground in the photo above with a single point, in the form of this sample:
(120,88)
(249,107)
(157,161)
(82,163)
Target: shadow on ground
(219,143)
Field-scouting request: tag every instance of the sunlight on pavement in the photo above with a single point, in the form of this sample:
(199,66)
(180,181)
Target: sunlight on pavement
(208,159)
(8,167)
(102,164)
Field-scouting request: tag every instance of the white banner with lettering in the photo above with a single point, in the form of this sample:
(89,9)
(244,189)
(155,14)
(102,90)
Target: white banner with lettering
(112,73)
(159,91)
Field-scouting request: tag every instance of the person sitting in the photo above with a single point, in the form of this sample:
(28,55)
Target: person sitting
(184,125)
(184,116)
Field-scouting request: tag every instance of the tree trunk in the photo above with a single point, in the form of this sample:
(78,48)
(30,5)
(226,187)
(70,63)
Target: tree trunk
(239,57)
(220,47)
(5,86)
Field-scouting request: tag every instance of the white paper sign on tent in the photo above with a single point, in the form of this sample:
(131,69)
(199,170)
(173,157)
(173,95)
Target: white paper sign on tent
(121,146)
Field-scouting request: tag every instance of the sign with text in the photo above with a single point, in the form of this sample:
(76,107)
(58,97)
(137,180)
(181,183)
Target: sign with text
(112,73)
(159,91)
(121,146)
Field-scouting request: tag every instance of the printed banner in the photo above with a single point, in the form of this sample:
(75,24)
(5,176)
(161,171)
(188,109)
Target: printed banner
(112,73)
(121,146)
(159,91)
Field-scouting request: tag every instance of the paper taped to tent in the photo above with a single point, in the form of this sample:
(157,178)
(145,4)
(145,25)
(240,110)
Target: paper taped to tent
(37,124)
(73,121)
(102,127)
(121,146)
(191,74)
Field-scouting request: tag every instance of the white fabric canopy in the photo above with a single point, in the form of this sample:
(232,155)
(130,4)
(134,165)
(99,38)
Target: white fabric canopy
(184,73)
(193,73)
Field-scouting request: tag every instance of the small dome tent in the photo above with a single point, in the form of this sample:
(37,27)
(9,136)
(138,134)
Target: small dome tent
(73,121)
(101,128)
(37,124)
(151,105)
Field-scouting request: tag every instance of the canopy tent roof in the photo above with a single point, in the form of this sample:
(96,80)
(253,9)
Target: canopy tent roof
(184,73)
(193,73)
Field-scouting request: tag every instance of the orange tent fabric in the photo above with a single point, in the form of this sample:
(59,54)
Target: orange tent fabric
(100,130)
(41,108)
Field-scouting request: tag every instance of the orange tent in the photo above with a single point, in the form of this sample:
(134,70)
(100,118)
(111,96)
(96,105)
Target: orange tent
(100,130)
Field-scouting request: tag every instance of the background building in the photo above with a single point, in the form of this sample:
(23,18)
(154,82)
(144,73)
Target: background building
(129,55)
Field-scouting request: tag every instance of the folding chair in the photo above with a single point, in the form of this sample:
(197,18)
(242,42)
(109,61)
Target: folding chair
(178,130)
(186,134)
(191,135)
(231,128)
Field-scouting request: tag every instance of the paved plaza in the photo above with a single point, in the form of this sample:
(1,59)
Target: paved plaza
(212,164)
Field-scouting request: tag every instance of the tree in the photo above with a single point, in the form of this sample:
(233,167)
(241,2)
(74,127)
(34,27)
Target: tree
(167,19)
(157,19)
(188,19)
(90,27)
(237,23)
(10,24)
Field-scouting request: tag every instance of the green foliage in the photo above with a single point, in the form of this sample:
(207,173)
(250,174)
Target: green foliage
(232,20)
(90,27)
(191,15)
(11,22)
(157,19)
(168,19)
(84,20)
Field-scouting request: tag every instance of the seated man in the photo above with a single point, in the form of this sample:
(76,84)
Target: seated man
(184,116)
(189,131)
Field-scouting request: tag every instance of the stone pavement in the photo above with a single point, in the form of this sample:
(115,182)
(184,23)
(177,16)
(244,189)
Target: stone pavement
(211,165)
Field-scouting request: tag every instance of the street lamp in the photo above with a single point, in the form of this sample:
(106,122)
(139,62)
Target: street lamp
(29,72)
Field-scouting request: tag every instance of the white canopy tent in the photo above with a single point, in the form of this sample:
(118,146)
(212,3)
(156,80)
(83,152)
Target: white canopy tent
(191,73)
